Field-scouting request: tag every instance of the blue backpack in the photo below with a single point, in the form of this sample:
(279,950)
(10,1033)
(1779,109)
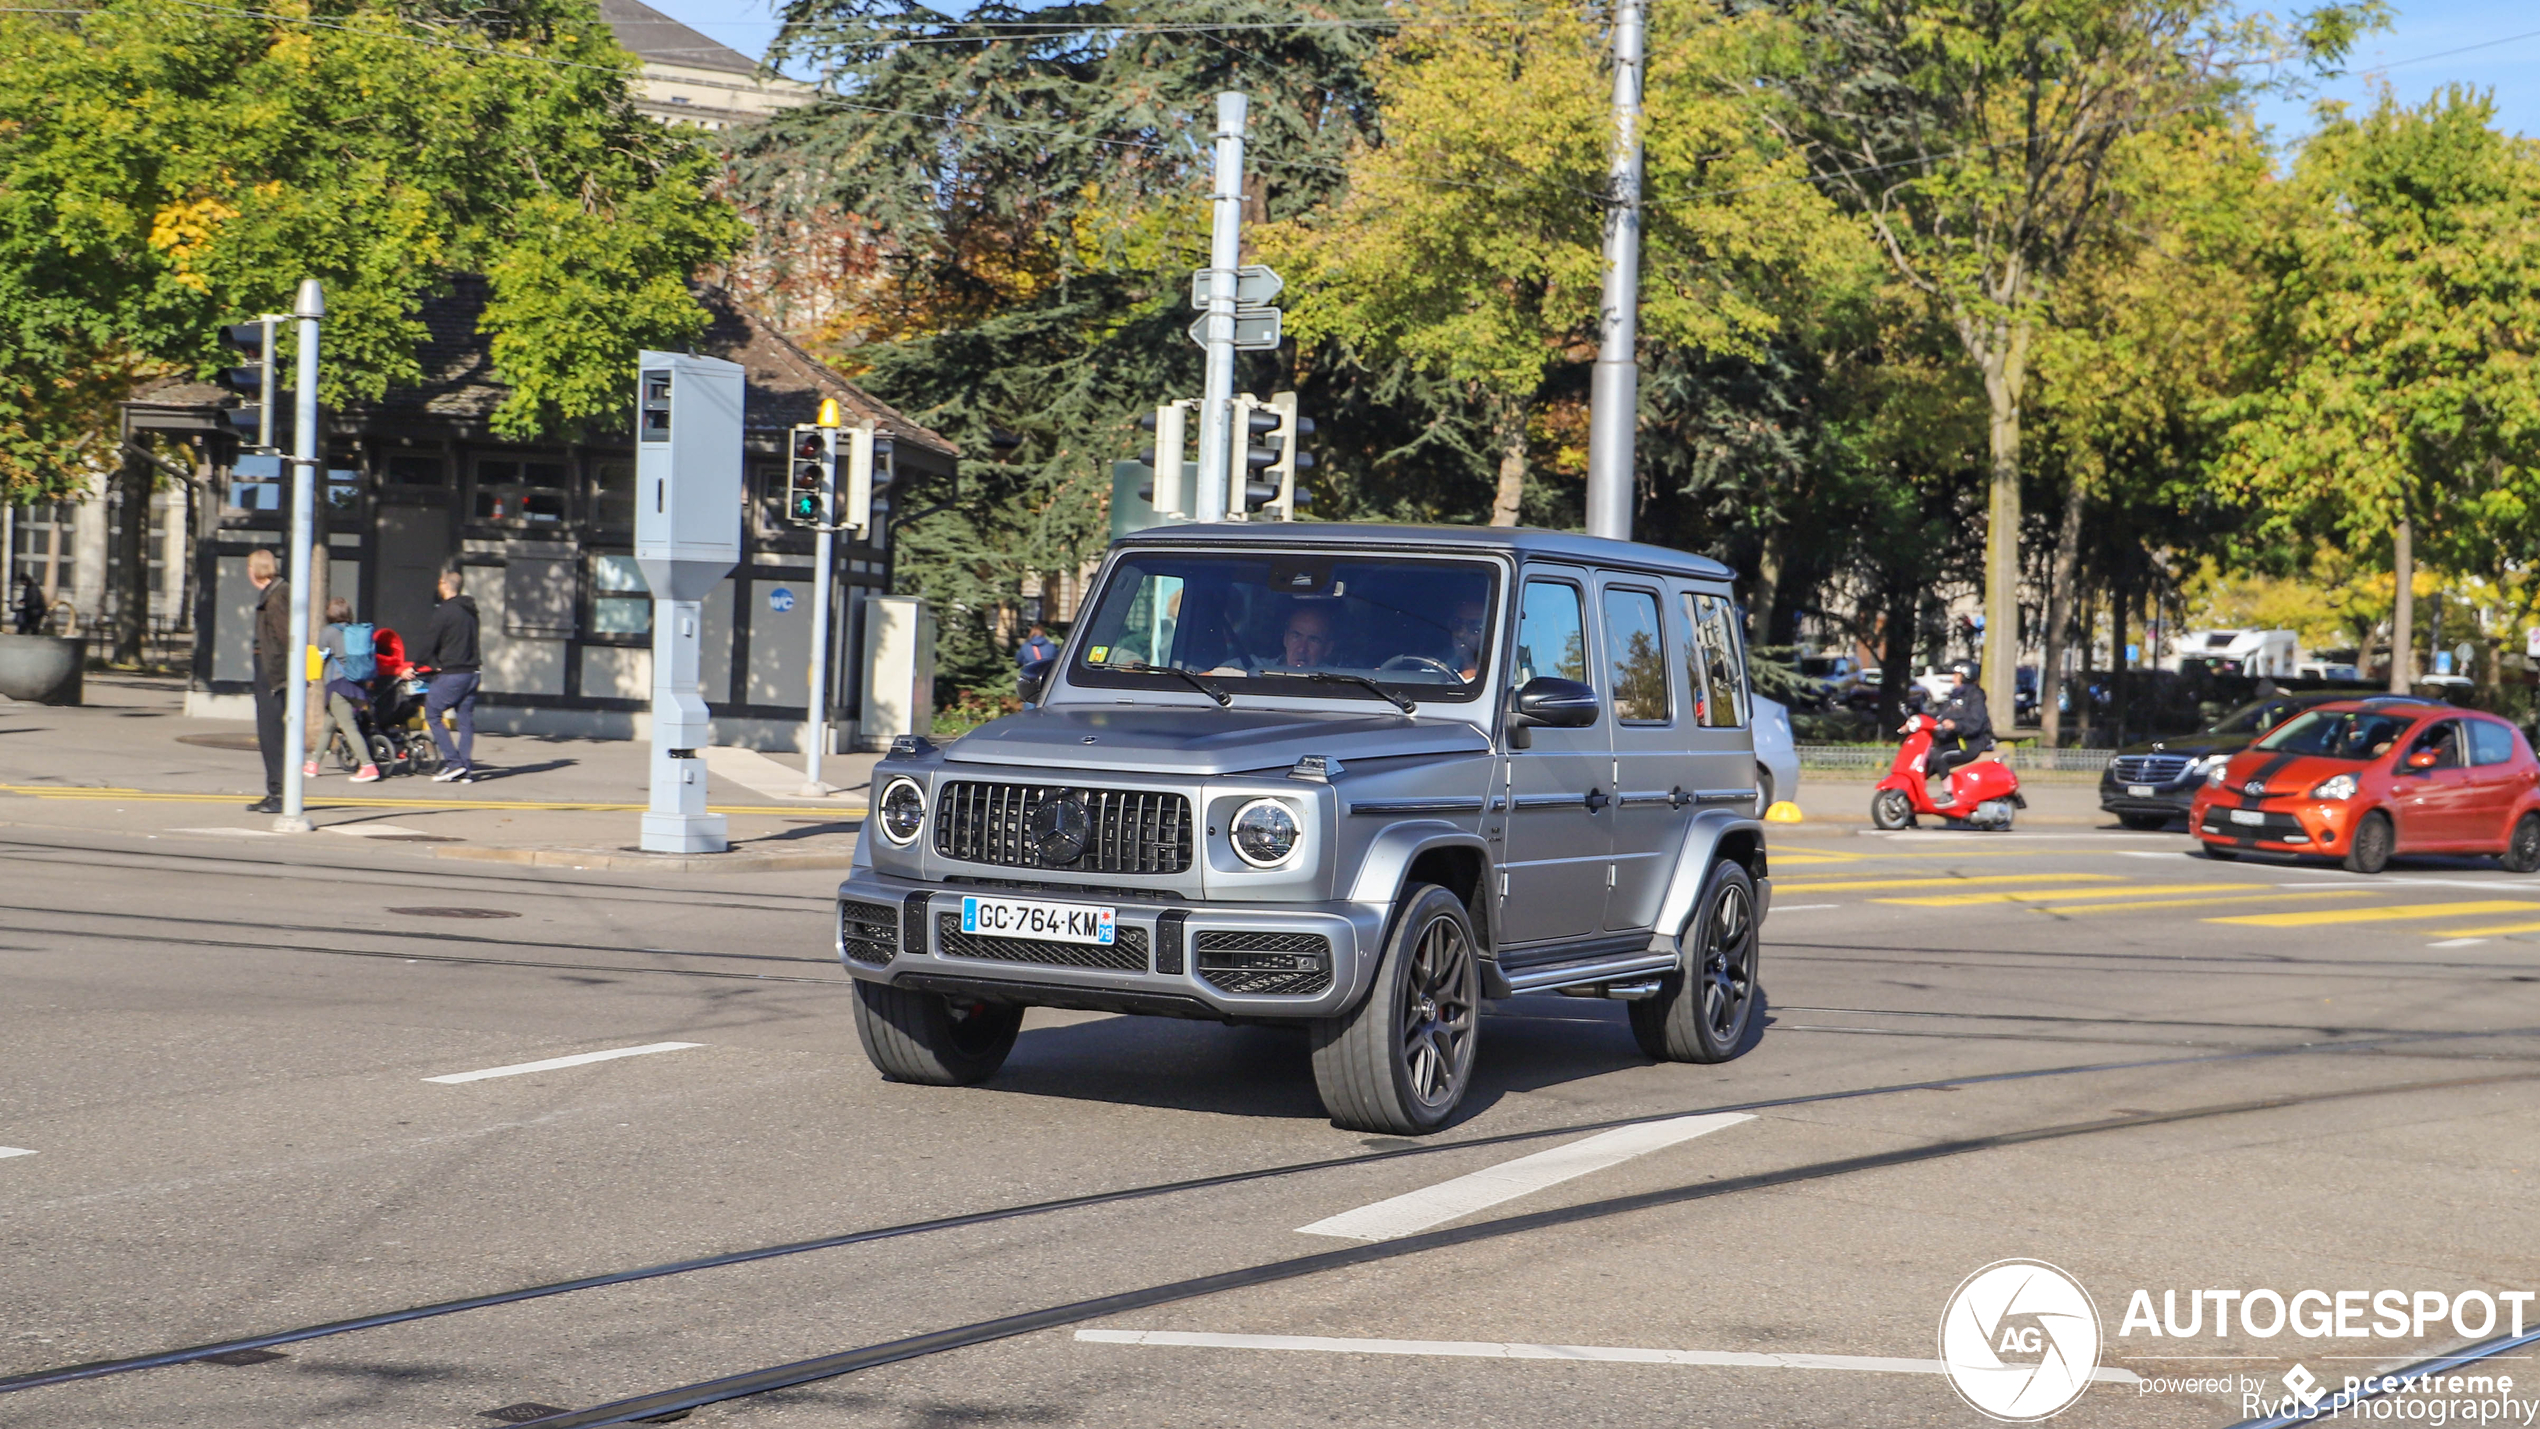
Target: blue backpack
(361,654)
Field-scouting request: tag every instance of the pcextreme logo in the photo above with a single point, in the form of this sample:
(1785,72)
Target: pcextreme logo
(2020,1340)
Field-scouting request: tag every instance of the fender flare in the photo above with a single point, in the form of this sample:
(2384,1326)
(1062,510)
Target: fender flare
(1387,862)
(1710,831)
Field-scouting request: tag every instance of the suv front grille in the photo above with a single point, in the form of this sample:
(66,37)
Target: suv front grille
(1128,952)
(870,932)
(2148,768)
(1129,831)
(1265,964)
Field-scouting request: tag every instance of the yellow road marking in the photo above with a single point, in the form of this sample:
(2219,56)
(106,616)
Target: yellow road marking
(2043,895)
(2129,907)
(1790,886)
(2389,913)
(147,796)
(2499,931)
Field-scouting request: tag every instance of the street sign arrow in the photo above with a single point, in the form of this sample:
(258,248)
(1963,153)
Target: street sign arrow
(1255,286)
(1256,330)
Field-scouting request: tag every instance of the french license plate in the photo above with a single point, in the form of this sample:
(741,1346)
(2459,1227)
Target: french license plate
(1029,918)
(2139,791)
(2247,816)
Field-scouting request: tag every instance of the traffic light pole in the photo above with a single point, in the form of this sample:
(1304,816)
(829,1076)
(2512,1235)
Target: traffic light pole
(311,307)
(1614,386)
(1225,254)
(824,561)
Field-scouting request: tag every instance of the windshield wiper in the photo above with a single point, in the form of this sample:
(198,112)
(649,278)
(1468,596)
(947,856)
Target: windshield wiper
(1335,677)
(1222,698)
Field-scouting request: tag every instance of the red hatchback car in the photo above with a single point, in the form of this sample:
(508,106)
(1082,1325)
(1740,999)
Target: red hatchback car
(2362,780)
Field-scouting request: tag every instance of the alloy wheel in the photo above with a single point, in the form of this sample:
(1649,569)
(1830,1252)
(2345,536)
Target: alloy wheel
(1437,1012)
(1728,965)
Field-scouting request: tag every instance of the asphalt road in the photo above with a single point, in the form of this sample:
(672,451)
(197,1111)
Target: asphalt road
(2086,1047)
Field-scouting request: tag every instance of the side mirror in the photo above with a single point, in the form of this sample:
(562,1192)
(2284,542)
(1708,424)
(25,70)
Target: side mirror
(1028,682)
(1552,703)
(2423,759)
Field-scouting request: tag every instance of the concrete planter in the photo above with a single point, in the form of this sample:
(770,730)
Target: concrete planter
(42,669)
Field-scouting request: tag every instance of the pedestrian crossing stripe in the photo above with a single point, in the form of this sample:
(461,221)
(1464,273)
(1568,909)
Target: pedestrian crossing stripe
(2388,913)
(1828,886)
(2135,903)
(2042,895)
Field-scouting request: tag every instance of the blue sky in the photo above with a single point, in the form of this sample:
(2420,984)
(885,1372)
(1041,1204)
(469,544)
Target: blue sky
(2412,51)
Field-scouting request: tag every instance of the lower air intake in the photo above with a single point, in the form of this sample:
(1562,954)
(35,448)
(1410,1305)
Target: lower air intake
(869,932)
(1265,964)
(1127,954)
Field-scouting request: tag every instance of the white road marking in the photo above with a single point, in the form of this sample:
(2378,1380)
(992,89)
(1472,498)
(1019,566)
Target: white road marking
(1492,1350)
(2457,943)
(231,833)
(1451,1200)
(8,1151)
(576,1060)
(1802,907)
(375,831)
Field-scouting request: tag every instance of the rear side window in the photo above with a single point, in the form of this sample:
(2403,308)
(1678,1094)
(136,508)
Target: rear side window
(1551,633)
(1719,675)
(1639,656)
(2490,743)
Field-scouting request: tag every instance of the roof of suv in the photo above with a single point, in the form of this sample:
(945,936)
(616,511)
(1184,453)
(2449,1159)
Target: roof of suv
(1519,540)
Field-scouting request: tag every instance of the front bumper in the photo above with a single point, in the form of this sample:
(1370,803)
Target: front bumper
(2286,824)
(1255,961)
(2170,800)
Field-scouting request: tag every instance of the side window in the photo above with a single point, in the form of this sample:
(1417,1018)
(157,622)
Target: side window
(2444,741)
(1638,654)
(2490,743)
(1721,703)
(1551,633)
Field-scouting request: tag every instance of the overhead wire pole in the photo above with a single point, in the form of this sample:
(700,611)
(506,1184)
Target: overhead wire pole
(1225,254)
(1614,388)
(304,479)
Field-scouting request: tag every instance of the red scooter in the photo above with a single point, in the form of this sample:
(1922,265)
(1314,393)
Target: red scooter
(1983,793)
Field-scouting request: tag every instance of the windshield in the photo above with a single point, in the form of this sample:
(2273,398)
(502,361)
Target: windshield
(2251,718)
(1276,624)
(2339,734)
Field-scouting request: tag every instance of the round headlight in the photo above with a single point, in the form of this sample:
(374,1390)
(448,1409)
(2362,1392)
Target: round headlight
(903,810)
(1264,833)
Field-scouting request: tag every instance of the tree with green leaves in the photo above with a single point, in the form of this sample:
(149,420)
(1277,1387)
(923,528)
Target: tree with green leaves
(165,168)
(1975,138)
(2390,396)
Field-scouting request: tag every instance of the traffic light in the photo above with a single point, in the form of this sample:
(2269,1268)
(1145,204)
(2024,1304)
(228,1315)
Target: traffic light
(1288,439)
(253,379)
(1252,488)
(868,465)
(811,474)
(1165,494)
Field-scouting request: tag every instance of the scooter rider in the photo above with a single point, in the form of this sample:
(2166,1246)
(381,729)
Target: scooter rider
(1966,727)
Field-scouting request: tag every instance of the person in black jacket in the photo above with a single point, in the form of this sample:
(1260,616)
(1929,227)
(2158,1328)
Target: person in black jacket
(449,650)
(272,685)
(1966,726)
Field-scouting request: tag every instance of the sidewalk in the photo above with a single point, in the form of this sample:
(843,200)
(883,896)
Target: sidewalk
(1842,801)
(130,759)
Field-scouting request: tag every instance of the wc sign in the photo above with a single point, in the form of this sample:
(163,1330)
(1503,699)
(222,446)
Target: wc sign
(780,600)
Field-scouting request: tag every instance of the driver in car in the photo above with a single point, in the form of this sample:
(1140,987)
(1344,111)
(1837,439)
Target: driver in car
(1306,644)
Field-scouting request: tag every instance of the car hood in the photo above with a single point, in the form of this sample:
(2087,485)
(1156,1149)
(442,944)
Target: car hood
(1204,740)
(2194,746)
(2285,773)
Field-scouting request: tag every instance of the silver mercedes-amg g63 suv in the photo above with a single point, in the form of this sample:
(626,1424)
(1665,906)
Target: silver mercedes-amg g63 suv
(1358,778)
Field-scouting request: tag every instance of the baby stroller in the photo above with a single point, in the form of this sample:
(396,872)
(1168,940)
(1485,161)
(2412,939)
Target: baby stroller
(392,722)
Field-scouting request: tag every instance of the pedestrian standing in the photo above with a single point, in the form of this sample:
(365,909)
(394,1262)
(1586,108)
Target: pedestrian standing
(346,649)
(30,603)
(276,663)
(1037,648)
(449,651)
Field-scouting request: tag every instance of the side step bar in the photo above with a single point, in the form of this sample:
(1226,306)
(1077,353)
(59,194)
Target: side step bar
(1631,965)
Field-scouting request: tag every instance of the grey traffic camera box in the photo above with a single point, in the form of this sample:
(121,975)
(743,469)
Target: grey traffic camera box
(687,538)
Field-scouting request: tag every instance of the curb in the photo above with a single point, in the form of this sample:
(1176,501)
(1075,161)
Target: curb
(588,858)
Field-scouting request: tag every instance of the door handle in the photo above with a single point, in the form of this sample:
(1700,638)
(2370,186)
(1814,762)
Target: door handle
(1595,800)
(1677,798)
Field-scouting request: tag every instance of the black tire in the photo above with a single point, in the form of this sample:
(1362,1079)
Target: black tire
(1401,1062)
(340,750)
(1709,1009)
(422,755)
(1890,809)
(2221,853)
(383,754)
(2370,851)
(927,1038)
(2522,850)
(1763,790)
(2144,823)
